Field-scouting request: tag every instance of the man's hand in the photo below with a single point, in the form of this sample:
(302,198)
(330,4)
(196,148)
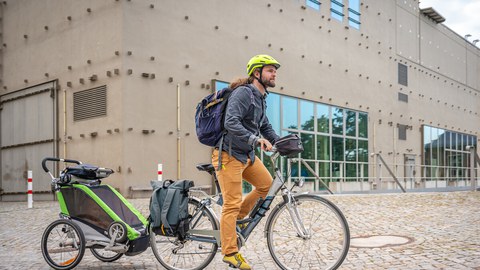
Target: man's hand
(265,144)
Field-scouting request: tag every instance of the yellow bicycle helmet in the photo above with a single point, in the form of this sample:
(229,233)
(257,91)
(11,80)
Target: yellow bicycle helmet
(261,60)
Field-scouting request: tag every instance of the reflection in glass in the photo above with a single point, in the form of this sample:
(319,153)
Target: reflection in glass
(350,150)
(362,151)
(324,169)
(308,146)
(337,121)
(445,154)
(323,116)
(273,111)
(306,116)
(351,171)
(323,147)
(362,125)
(290,113)
(337,148)
(350,123)
(337,170)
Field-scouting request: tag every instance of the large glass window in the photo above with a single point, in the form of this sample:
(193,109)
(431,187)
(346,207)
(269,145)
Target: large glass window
(335,139)
(445,156)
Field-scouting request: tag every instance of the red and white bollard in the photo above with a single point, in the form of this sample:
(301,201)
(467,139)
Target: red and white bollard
(30,190)
(160,172)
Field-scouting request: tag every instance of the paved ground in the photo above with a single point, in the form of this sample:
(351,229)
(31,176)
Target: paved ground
(444,229)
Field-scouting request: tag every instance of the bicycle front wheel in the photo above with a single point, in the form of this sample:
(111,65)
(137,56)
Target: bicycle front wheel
(176,254)
(325,240)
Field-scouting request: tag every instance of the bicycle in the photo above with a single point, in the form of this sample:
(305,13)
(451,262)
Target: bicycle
(303,231)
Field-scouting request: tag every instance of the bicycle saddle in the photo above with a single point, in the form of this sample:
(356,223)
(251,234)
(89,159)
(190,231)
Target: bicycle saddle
(206,167)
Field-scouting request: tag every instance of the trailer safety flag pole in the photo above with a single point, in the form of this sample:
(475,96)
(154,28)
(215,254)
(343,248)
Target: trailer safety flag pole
(160,172)
(30,190)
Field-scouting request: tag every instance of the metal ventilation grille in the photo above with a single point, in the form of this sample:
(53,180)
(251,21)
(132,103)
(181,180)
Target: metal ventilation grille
(402,74)
(90,103)
(403,97)
(402,132)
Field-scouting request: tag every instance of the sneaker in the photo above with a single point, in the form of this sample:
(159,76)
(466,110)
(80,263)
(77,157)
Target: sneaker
(237,261)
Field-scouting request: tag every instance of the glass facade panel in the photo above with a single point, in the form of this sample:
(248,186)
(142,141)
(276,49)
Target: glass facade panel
(323,118)
(308,141)
(362,151)
(445,157)
(323,147)
(362,125)
(351,172)
(337,148)
(307,119)
(337,121)
(273,111)
(335,139)
(290,113)
(351,123)
(350,150)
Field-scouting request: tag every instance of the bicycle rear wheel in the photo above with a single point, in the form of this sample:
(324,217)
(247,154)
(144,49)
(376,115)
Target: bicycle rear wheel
(327,238)
(63,244)
(176,254)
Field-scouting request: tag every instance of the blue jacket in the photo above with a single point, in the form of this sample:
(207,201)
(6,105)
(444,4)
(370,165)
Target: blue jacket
(245,121)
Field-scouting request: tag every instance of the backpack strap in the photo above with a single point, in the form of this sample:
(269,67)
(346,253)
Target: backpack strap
(220,149)
(155,209)
(166,207)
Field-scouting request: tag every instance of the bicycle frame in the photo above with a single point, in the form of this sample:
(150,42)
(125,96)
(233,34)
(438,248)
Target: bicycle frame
(258,213)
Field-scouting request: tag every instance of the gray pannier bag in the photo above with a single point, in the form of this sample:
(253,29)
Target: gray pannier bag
(169,207)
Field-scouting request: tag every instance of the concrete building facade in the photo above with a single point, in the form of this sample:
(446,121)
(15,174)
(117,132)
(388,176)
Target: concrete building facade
(116,83)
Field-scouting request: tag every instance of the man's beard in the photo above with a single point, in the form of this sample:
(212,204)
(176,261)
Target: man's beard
(268,83)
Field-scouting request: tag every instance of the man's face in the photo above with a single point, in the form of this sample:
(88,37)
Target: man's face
(269,74)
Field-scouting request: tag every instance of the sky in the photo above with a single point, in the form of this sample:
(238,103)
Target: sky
(462,16)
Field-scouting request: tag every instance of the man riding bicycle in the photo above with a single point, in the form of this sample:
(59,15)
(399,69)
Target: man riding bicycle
(245,121)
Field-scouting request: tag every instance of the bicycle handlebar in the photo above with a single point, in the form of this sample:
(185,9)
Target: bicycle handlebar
(44,162)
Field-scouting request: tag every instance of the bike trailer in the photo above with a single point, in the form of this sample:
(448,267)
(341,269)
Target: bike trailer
(95,207)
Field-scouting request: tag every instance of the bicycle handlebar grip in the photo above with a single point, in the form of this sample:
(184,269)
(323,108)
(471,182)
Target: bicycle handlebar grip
(44,163)
(71,161)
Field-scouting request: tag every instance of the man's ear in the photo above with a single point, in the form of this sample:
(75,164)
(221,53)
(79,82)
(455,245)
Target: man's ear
(256,73)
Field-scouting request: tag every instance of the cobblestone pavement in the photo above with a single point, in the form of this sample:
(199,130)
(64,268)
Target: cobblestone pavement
(444,229)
